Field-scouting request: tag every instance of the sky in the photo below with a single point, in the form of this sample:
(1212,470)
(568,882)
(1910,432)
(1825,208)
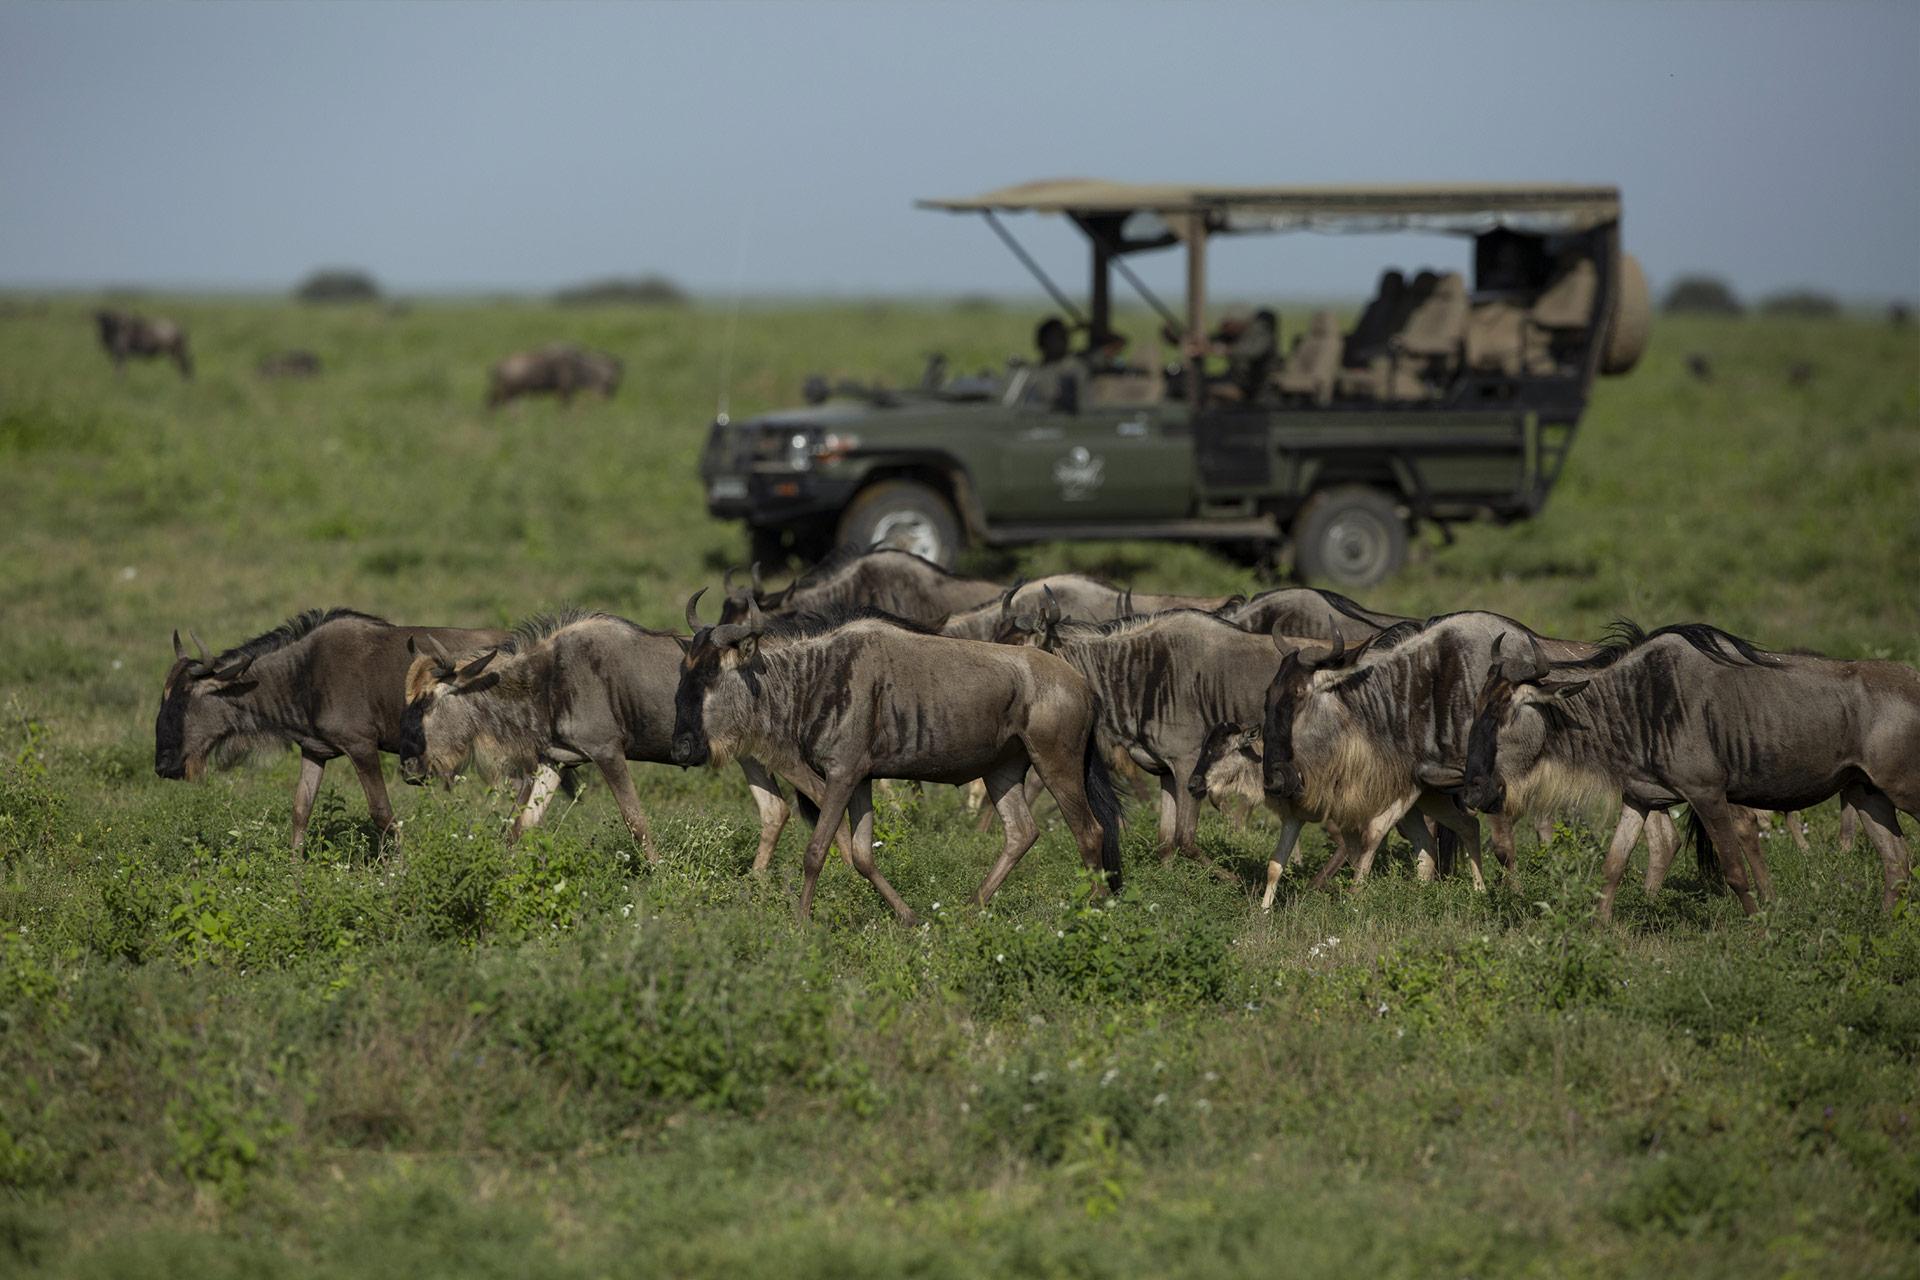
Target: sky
(778,148)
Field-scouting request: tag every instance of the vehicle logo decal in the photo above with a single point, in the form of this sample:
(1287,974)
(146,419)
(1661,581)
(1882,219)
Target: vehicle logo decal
(1079,475)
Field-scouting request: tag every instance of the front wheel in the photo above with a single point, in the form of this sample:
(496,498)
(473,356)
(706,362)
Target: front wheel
(906,516)
(1352,535)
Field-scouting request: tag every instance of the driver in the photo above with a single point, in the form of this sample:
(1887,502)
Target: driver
(1057,378)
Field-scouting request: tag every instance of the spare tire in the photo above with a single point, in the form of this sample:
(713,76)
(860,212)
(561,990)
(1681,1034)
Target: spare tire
(1631,321)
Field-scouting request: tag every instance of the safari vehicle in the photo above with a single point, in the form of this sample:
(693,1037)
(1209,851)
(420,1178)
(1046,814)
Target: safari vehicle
(1445,402)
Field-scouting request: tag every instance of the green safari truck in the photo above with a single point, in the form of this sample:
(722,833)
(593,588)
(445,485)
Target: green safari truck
(1448,399)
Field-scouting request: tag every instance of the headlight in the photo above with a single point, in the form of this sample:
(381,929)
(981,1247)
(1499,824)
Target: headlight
(799,448)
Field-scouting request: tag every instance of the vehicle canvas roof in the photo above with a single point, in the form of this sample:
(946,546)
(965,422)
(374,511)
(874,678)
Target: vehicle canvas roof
(1460,208)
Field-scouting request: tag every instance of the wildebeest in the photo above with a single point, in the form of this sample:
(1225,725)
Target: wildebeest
(563,689)
(1689,713)
(1232,764)
(1362,742)
(1310,612)
(833,701)
(559,368)
(125,334)
(331,682)
(890,581)
(1163,681)
(297,363)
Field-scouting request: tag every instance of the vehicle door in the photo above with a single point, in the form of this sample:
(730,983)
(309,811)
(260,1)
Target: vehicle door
(1096,463)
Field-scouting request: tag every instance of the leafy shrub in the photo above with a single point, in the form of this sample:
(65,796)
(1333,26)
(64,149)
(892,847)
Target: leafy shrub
(642,291)
(338,284)
(1702,295)
(1097,954)
(1806,304)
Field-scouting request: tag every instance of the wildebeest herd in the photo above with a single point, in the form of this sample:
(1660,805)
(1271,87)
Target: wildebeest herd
(878,665)
(559,368)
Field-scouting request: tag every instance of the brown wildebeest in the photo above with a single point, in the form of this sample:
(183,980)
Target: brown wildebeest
(560,369)
(561,690)
(297,363)
(891,581)
(1308,611)
(833,701)
(125,334)
(1690,714)
(1231,764)
(1075,597)
(331,682)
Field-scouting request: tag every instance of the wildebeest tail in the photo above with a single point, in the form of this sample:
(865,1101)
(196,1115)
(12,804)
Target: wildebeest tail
(808,809)
(1104,803)
(1705,856)
(1446,846)
(571,783)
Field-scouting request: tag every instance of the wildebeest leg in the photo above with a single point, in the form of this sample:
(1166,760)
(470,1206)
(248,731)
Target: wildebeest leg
(1447,812)
(530,805)
(1282,854)
(772,807)
(860,819)
(1663,841)
(1762,879)
(1878,815)
(1006,792)
(614,769)
(1543,827)
(1376,831)
(367,765)
(1169,831)
(1064,776)
(1730,836)
(1186,823)
(1797,829)
(835,795)
(1343,843)
(1625,834)
(304,792)
(1849,823)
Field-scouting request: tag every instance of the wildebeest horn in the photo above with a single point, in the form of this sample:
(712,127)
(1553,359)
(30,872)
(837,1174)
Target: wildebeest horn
(753,576)
(755,622)
(1126,604)
(728,634)
(1518,670)
(726,580)
(693,610)
(1051,612)
(204,655)
(179,650)
(1006,597)
(438,652)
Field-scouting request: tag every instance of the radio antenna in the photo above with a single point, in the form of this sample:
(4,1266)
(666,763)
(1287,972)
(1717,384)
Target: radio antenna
(733,315)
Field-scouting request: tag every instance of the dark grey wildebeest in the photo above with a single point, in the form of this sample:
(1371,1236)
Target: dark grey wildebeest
(561,690)
(559,368)
(831,702)
(1690,714)
(126,335)
(1163,681)
(890,581)
(1307,611)
(1076,597)
(331,682)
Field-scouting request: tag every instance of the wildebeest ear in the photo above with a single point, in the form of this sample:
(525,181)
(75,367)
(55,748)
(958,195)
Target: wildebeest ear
(233,671)
(478,665)
(1571,689)
(686,645)
(1026,622)
(748,648)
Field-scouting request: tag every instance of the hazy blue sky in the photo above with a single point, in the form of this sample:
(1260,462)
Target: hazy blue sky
(456,146)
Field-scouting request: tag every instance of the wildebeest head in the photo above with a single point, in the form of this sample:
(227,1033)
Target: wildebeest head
(1039,628)
(1280,775)
(718,675)
(1510,724)
(439,727)
(198,712)
(1230,763)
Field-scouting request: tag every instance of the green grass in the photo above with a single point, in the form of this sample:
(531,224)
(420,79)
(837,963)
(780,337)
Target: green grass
(547,1059)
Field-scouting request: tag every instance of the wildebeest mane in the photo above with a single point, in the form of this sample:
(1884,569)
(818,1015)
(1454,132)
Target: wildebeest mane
(1623,636)
(817,622)
(1141,621)
(540,626)
(295,628)
(843,557)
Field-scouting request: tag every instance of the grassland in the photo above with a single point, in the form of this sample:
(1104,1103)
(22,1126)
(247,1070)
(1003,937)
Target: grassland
(547,1059)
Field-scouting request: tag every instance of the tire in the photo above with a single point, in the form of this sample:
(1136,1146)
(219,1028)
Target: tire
(904,514)
(1351,536)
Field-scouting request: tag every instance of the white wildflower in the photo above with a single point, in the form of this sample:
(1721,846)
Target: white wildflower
(1159,1099)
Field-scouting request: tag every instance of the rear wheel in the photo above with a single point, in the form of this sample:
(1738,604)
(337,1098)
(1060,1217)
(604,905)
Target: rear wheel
(1352,535)
(905,515)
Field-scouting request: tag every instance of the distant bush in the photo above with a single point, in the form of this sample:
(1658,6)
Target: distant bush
(1806,303)
(338,284)
(644,291)
(1703,295)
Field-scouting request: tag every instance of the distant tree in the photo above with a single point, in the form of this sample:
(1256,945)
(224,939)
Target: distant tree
(1703,295)
(643,291)
(338,284)
(1809,304)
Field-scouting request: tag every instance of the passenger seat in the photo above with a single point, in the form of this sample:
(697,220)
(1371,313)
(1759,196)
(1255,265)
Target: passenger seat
(1312,367)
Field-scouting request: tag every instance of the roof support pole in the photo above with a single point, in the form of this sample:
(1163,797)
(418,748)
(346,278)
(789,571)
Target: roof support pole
(1196,308)
(1101,307)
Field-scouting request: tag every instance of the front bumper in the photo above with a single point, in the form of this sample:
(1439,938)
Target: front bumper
(765,491)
